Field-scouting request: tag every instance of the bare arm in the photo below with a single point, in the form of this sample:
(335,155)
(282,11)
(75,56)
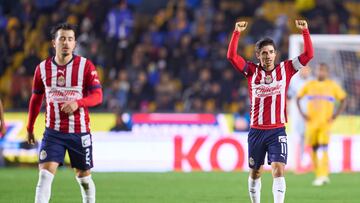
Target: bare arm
(300,110)
(339,110)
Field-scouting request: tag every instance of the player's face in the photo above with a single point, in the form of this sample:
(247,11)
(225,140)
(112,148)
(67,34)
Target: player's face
(267,55)
(322,72)
(64,43)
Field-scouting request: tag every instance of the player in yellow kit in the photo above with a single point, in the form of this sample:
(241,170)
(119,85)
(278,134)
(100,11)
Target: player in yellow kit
(323,95)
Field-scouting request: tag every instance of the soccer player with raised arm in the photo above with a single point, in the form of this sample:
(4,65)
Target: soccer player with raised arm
(267,85)
(321,95)
(70,85)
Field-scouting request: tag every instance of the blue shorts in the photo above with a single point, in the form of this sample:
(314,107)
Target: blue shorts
(79,146)
(272,141)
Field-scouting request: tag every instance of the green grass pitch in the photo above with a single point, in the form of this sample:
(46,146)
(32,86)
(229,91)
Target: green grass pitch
(18,185)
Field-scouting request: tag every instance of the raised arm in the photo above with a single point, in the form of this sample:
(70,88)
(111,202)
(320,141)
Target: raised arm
(237,61)
(308,52)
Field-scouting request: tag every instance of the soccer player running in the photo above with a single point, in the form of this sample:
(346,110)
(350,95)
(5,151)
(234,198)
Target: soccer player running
(267,85)
(321,95)
(70,85)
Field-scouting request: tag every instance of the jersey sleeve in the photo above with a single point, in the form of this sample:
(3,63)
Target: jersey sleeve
(235,59)
(92,86)
(91,77)
(308,53)
(290,68)
(340,94)
(36,99)
(38,85)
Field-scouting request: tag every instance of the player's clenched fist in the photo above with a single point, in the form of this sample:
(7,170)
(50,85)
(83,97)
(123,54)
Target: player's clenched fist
(241,26)
(301,24)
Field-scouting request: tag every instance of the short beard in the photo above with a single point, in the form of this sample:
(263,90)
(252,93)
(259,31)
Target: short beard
(65,54)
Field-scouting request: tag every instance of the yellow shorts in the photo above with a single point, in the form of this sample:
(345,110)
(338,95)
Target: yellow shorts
(317,134)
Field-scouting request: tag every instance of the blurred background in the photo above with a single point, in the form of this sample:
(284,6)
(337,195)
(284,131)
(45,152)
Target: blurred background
(163,66)
(172,101)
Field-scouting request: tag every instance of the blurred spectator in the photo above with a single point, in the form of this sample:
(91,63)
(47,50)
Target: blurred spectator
(117,96)
(141,93)
(260,27)
(120,125)
(119,23)
(30,63)
(4,58)
(165,93)
(170,59)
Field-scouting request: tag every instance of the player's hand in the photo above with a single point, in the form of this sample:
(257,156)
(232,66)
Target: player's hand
(240,26)
(31,138)
(301,24)
(69,107)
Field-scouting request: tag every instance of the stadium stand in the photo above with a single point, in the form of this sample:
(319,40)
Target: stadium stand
(167,56)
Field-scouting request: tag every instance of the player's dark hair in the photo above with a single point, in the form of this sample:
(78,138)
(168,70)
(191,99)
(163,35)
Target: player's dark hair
(62,26)
(264,42)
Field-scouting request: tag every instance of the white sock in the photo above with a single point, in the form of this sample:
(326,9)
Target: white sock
(87,188)
(254,189)
(279,189)
(43,187)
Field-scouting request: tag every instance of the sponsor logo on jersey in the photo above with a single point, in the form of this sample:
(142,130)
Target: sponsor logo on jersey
(267,90)
(63,94)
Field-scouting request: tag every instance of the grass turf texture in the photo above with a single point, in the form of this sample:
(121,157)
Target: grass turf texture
(18,185)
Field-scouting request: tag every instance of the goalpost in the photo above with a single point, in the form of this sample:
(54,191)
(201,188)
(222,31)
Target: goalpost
(342,54)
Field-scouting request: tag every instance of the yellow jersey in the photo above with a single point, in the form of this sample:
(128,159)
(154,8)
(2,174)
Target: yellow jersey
(321,98)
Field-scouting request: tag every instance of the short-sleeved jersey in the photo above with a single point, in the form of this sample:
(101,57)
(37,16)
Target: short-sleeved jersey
(62,83)
(268,92)
(321,97)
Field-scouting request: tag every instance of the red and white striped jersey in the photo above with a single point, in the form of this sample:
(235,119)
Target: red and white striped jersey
(62,83)
(268,92)
(268,89)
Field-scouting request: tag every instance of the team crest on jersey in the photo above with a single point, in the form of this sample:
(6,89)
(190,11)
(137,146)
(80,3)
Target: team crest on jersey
(61,81)
(43,155)
(251,161)
(268,79)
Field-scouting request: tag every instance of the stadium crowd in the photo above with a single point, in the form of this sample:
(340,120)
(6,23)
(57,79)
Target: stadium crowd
(158,55)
